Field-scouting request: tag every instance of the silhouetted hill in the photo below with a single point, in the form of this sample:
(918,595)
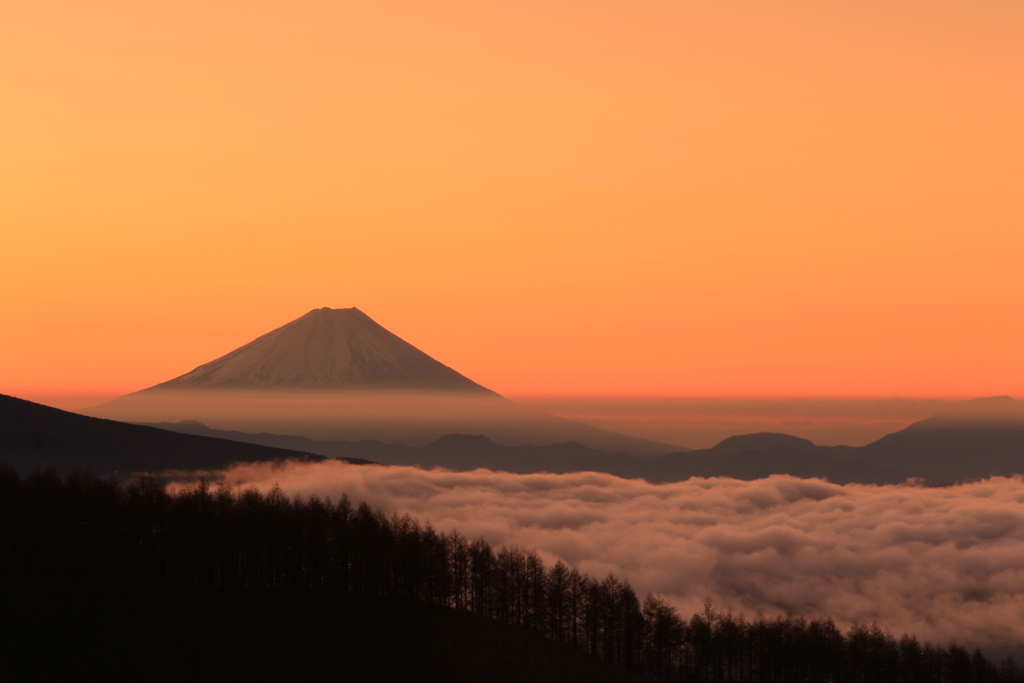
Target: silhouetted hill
(983,439)
(34,436)
(949,448)
(474,442)
(335,374)
(762,441)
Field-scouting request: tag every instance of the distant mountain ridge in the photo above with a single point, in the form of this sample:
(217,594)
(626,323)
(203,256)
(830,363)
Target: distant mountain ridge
(936,451)
(762,441)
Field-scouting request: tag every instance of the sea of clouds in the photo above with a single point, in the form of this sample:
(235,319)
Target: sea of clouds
(942,563)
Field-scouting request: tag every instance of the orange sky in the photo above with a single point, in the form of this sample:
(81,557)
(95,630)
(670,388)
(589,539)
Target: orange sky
(596,197)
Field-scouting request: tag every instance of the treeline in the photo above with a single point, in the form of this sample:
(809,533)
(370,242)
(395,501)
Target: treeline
(89,535)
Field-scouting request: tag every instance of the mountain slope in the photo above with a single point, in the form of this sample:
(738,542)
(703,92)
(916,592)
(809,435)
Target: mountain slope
(952,448)
(325,349)
(34,436)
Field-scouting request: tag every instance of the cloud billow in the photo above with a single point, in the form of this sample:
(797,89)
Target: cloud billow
(942,563)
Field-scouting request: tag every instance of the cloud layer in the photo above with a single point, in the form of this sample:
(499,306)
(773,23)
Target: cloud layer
(942,563)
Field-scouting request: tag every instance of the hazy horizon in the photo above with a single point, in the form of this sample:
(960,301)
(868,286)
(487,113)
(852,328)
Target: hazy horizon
(688,421)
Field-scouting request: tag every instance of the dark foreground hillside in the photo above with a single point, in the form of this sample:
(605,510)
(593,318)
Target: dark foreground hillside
(292,635)
(132,582)
(108,582)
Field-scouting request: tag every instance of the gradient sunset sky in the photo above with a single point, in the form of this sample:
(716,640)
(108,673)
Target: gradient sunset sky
(642,197)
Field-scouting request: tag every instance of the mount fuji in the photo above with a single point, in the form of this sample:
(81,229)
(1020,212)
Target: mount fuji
(336,374)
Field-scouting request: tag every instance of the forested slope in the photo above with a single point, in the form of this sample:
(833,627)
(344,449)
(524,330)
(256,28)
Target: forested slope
(145,584)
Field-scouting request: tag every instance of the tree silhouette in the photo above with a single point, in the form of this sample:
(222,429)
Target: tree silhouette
(91,538)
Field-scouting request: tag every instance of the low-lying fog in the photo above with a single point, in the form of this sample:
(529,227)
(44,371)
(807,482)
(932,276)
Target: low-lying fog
(419,417)
(392,416)
(409,417)
(943,563)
